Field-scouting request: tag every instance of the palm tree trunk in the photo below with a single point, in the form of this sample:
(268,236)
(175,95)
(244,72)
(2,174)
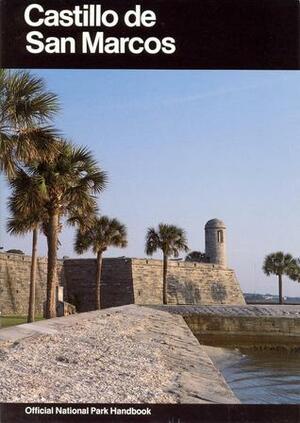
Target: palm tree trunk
(31,307)
(52,259)
(98,279)
(165,285)
(280,289)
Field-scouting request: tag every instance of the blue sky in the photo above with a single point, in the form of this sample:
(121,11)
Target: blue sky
(183,147)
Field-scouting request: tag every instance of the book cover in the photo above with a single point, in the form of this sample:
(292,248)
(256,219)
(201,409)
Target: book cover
(149,263)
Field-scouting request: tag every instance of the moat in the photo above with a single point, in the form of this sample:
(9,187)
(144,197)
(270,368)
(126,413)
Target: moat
(258,377)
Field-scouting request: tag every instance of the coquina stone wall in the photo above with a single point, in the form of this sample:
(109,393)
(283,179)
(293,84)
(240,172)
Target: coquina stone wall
(124,281)
(188,283)
(116,283)
(139,281)
(14,283)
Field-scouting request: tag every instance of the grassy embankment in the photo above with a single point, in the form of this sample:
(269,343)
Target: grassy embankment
(6,321)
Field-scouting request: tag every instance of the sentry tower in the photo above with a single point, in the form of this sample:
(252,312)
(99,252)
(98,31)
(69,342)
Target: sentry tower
(215,242)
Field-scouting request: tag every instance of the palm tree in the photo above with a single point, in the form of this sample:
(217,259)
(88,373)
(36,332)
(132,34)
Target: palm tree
(279,264)
(171,240)
(26,108)
(65,187)
(68,182)
(102,233)
(27,215)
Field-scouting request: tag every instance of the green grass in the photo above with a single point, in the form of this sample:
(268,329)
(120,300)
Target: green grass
(6,321)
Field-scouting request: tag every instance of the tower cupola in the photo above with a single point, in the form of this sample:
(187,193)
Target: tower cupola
(215,242)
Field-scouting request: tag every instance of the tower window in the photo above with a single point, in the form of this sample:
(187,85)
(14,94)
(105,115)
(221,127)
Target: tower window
(220,237)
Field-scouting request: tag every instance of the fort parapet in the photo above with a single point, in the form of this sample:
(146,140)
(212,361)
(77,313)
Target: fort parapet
(139,281)
(123,281)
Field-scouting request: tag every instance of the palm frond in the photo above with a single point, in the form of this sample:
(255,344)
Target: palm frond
(27,100)
(21,225)
(279,263)
(153,242)
(168,238)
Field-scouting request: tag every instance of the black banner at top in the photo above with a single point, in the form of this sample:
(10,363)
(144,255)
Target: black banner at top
(150,34)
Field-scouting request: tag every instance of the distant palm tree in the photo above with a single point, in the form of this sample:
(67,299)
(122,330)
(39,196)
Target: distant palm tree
(102,233)
(196,256)
(170,240)
(279,264)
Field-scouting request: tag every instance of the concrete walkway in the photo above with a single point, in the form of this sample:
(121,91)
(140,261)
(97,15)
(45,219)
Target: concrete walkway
(123,354)
(292,311)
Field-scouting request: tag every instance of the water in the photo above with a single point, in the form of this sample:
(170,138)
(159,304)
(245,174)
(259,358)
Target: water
(261,377)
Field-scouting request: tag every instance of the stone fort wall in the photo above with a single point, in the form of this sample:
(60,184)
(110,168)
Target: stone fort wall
(188,283)
(14,283)
(124,281)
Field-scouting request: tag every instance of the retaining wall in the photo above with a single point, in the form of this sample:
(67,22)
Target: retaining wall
(243,326)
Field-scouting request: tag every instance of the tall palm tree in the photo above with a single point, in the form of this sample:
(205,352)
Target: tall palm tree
(27,215)
(279,264)
(26,108)
(171,240)
(68,182)
(102,233)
